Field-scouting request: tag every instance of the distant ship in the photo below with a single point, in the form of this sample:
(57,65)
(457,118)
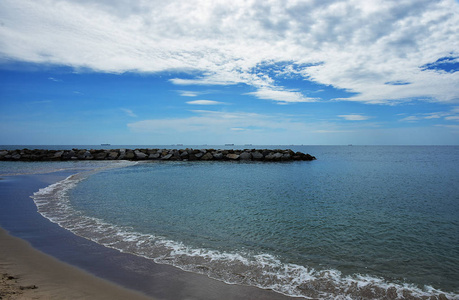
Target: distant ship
(105,144)
(229,144)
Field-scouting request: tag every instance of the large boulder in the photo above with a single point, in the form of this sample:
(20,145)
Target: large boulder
(232,156)
(140,155)
(167,156)
(100,155)
(245,156)
(207,156)
(129,154)
(154,156)
(112,155)
(217,155)
(122,154)
(257,155)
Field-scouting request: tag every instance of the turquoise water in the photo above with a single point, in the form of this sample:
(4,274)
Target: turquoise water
(360,221)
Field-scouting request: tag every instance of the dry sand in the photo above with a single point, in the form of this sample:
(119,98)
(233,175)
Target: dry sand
(29,274)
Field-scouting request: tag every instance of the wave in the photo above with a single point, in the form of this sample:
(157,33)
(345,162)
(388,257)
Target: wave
(246,268)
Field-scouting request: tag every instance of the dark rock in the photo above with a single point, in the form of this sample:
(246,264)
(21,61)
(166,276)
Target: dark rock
(113,155)
(245,156)
(217,155)
(257,155)
(154,156)
(122,154)
(100,155)
(129,154)
(232,156)
(166,157)
(207,156)
(140,154)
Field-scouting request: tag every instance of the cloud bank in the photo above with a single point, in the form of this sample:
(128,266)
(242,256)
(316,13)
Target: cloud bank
(381,51)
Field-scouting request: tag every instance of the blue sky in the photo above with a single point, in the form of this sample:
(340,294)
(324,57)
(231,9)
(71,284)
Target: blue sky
(202,72)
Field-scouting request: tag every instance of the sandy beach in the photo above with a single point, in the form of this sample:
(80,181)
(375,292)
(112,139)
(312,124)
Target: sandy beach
(40,260)
(30,274)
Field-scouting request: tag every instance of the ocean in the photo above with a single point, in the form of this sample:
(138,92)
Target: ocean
(360,222)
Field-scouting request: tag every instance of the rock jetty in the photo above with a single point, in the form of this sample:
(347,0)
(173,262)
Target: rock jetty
(154,154)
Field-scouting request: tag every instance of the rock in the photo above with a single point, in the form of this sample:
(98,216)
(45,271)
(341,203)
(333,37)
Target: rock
(129,154)
(176,155)
(217,155)
(100,155)
(165,154)
(232,156)
(257,155)
(245,156)
(154,156)
(277,156)
(286,156)
(442,297)
(113,155)
(166,157)
(139,154)
(28,287)
(122,154)
(207,156)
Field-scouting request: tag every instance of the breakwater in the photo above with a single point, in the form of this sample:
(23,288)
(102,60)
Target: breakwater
(154,154)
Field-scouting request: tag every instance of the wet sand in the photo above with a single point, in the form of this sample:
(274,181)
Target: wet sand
(53,263)
(30,274)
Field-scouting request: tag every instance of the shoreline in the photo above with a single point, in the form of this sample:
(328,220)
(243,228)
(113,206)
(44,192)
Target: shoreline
(31,274)
(42,253)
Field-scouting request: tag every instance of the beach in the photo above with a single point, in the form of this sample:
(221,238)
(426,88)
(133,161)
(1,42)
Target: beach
(31,274)
(49,262)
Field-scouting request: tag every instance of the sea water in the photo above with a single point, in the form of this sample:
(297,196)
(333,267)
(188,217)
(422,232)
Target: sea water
(359,222)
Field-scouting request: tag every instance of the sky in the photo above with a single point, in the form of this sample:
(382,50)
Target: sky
(312,72)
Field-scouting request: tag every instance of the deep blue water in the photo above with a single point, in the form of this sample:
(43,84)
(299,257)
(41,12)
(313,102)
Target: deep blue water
(358,220)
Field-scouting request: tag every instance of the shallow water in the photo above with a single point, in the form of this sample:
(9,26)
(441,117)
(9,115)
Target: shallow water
(359,222)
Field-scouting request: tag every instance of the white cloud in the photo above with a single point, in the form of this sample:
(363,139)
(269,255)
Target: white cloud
(204,102)
(218,122)
(280,95)
(54,79)
(354,117)
(410,119)
(129,112)
(188,93)
(359,46)
(451,115)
